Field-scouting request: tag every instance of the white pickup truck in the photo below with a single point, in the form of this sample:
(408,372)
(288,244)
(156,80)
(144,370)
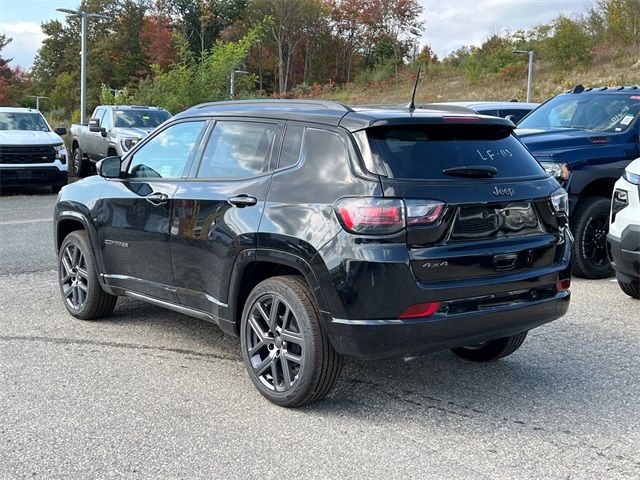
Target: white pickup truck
(31,153)
(112,131)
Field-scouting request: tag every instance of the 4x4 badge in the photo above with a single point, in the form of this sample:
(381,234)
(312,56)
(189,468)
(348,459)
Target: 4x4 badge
(500,192)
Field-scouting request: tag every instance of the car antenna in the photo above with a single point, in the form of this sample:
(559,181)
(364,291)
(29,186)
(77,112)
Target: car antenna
(411,106)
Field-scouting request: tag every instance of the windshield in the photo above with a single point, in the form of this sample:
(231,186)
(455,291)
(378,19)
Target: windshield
(23,121)
(140,118)
(599,112)
(423,152)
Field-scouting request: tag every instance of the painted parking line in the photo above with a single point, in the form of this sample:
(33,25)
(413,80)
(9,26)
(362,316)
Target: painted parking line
(18,222)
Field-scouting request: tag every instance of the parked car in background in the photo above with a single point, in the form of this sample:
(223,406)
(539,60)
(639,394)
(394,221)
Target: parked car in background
(31,153)
(314,230)
(623,239)
(514,111)
(585,138)
(112,130)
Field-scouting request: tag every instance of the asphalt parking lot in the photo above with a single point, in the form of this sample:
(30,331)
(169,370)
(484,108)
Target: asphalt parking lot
(149,393)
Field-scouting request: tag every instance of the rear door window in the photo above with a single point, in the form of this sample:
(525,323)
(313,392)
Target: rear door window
(238,150)
(412,152)
(290,153)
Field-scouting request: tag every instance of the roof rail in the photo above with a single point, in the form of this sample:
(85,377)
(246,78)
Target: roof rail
(420,106)
(271,102)
(577,89)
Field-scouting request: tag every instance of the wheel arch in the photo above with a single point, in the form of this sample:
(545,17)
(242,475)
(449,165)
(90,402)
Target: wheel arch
(263,264)
(600,187)
(68,221)
(65,226)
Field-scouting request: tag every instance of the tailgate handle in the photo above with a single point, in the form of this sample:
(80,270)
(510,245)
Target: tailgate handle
(506,261)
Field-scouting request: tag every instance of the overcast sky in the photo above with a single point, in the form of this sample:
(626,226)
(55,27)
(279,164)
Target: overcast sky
(449,24)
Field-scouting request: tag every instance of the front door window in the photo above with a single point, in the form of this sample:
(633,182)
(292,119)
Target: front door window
(167,154)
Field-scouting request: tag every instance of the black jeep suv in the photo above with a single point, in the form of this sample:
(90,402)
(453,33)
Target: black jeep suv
(313,231)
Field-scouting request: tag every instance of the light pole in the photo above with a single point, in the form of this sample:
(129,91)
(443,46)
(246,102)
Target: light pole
(84,18)
(232,83)
(37,97)
(530,75)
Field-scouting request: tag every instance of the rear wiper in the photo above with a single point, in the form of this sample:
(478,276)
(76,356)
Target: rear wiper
(475,171)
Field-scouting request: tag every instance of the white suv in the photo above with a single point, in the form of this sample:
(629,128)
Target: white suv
(623,239)
(31,153)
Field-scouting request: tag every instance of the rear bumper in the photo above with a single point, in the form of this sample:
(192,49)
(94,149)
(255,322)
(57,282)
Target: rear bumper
(624,253)
(378,339)
(32,176)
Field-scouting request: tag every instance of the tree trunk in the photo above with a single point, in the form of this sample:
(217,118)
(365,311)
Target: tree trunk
(306,63)
(260,65)
(282,87)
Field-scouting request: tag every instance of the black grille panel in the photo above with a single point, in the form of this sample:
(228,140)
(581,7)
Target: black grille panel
(496,220)
(27,154)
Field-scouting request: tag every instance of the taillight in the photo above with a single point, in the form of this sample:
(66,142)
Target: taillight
(563,285)
(383,216)
(423,212)
(374,216)
(420,310)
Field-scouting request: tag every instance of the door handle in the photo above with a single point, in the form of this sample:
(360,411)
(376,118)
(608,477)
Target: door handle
(157,198)
(242,201)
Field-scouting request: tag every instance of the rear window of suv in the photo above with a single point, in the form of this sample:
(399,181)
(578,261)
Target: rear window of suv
(418,152)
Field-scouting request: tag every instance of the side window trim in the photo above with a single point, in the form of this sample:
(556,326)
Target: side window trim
(273,153)
(194,163)
(197,152)
(275,165)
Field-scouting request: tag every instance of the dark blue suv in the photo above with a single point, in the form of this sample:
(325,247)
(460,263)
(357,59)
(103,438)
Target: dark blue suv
(585,138)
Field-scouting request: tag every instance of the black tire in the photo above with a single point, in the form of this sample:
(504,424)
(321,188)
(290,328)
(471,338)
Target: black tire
(590,225)
(314,375)
(76,270)
(492,350)
(80,165)
(631,288)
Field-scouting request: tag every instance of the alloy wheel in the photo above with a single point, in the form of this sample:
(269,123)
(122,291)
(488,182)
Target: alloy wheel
(274,342)
(74,276)
(594,241)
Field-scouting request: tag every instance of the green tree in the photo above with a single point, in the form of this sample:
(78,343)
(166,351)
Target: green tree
(616,22)
(570,44)
(193,81)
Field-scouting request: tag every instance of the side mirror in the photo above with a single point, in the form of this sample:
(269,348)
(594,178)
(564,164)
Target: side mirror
(109,167)
(94,125)
(511,117)
(61,131)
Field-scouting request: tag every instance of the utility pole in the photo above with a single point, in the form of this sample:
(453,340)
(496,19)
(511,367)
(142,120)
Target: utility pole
(37,97)
(530,75)
(84,18)
(232,83)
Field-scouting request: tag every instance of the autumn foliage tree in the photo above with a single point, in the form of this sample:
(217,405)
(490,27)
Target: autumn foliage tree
(13,81)
(156,36)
